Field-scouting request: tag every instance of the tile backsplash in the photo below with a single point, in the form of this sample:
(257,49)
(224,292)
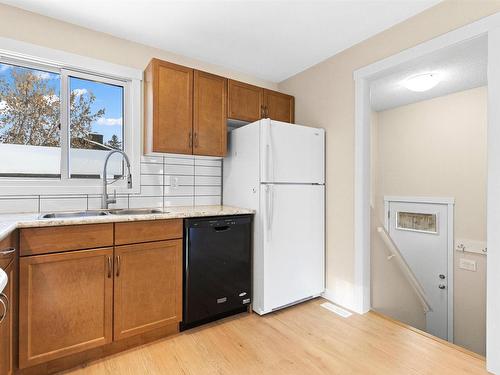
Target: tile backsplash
(170,180)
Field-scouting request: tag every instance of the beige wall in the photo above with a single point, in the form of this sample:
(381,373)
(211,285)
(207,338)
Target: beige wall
(325,97)
(435,148)
(48,32)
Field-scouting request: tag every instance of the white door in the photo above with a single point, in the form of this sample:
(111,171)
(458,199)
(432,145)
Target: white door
(292,153)
(293,243)
(420,230)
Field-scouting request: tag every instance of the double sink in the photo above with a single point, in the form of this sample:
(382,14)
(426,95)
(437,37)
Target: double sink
(89,213)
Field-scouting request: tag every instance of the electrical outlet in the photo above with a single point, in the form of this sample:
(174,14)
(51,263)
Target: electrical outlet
(173,182)
(467,264)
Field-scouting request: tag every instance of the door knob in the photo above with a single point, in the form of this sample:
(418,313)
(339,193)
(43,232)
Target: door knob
(442,286)
(442,277)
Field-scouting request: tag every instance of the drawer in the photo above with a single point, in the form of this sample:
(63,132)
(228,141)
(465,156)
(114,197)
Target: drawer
(146,231)
(64,238)
(8,249)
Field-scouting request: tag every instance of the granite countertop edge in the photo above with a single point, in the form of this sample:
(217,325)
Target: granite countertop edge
(11,222)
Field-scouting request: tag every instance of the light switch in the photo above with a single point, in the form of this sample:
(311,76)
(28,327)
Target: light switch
(467,264)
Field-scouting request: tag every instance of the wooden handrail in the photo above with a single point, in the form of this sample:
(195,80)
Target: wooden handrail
(396,254)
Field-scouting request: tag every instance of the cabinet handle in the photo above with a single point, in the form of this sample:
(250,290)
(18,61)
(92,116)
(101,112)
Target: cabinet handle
(190,140)
(118,265)
(262,111)
(266,110)
(8,251)
(5,305)
(110,266)
(195,139)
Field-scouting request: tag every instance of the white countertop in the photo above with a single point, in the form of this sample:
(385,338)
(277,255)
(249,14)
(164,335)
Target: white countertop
(10,222)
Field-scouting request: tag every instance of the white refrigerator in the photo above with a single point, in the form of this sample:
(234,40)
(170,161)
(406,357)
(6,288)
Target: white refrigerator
(278,169)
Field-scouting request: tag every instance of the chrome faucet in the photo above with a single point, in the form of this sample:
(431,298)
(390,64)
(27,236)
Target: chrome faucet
(105,201)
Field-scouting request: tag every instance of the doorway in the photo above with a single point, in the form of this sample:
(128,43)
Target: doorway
(430,154)
(489,26)
(430,141)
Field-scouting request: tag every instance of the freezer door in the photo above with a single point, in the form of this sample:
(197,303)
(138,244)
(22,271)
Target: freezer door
(291,153)
(293,243)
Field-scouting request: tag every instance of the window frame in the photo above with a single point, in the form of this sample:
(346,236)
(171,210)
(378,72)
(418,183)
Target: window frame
(67,64)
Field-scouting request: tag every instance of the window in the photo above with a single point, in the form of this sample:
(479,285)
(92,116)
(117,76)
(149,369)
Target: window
(30,109)
(417,222)
(60,114)
(34,123)
(95,127)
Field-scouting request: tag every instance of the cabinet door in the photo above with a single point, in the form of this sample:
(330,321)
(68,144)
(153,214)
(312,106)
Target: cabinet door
(172,108)
(148,287)
(7,326)
(244,101)
(279,107)
(65,304)
(210,125)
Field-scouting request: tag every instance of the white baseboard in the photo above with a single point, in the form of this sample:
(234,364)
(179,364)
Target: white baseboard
(330,296)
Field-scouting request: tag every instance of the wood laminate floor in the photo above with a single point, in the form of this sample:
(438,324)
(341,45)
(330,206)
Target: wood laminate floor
(304,339)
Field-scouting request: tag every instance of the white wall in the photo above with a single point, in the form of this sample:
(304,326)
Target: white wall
(436,148)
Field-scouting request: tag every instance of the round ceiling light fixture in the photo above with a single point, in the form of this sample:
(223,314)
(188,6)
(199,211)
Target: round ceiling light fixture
(421,82)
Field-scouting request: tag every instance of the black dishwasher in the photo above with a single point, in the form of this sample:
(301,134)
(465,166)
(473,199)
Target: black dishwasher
(217,268)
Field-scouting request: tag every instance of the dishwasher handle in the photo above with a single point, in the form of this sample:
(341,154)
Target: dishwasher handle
(222,228)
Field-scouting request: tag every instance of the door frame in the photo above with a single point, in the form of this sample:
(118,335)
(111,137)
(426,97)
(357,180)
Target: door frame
(450,203)
(489,26)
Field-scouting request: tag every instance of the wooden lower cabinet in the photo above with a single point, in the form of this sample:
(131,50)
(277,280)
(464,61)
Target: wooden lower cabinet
(8,324)
(148,287)
(80,305)
(65,304)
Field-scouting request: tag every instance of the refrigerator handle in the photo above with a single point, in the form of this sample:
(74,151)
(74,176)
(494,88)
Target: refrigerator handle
(269,156)
(271,213)
(269,208)
(268,159)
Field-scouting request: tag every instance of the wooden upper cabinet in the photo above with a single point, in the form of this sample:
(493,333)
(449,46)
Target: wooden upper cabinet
(148,287)
(279,106)
(65,304)
(186,110)
(245,102)
(168,107)
(251,103)
(210,121)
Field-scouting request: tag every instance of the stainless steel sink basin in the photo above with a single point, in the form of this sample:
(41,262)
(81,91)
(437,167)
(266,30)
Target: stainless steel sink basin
(66,215)
(135,211)
(124,211)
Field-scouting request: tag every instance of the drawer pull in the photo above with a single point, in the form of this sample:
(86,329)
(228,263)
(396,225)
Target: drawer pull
(5,304)
(8,251)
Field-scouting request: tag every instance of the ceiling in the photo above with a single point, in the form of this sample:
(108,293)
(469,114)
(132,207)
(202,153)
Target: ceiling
(460,67)
(271,40)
